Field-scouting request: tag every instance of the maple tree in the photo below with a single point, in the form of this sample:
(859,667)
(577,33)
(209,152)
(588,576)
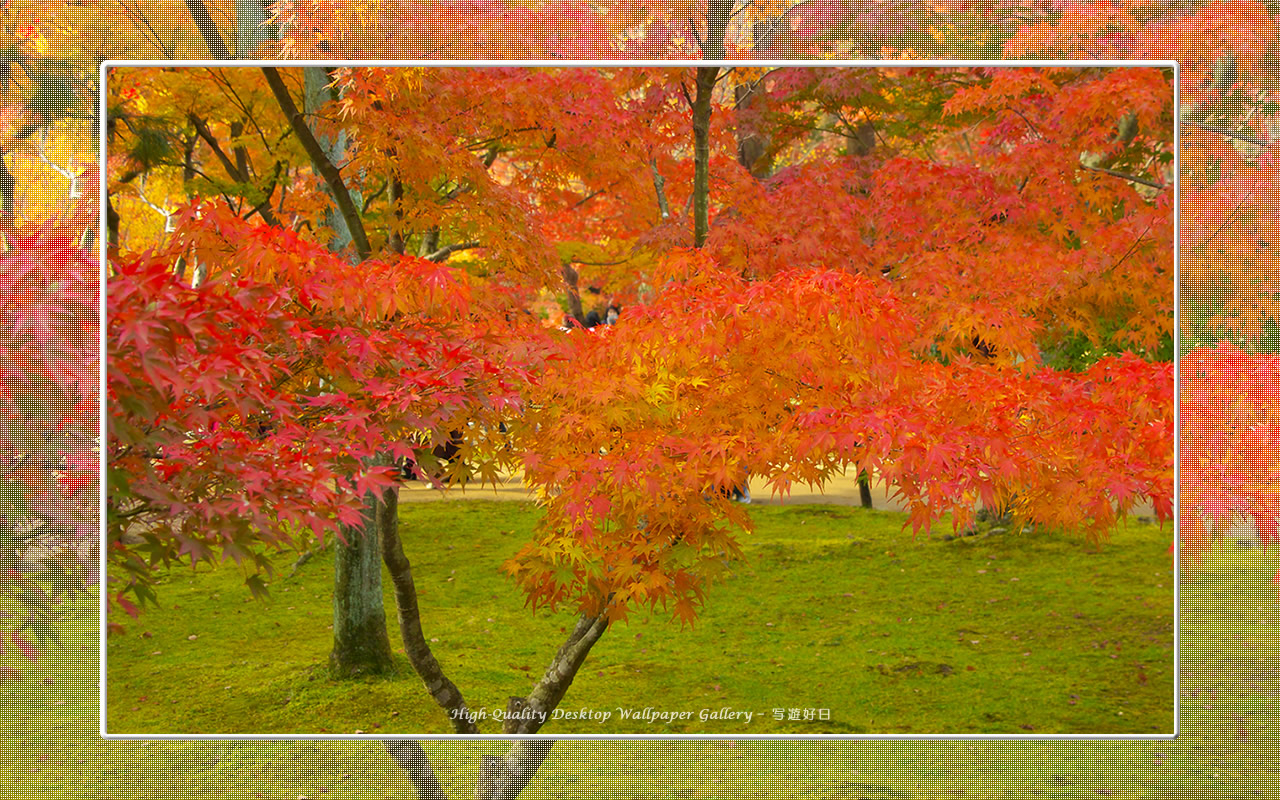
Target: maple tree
(1224,49)
(906,345)
(48,382)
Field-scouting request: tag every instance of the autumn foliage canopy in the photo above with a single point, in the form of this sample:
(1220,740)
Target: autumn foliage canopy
(956,280)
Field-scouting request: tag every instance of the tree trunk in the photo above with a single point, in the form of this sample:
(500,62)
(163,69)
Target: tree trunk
(424,662)
(360,642)
(718,13)
(252,28)
(706,84)
(574,293)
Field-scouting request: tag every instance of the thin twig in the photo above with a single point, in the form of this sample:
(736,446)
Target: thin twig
(168,215)
(74,192)
(1124,176)
(1227,132)
(445,252)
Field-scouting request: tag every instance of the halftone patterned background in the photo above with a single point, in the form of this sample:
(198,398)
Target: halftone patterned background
(1231,677)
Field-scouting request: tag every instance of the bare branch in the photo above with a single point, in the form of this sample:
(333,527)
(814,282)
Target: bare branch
(1132,248)
(1030,124)
(528,714)
(73,193)
(374,195)
(168,215)
(218,77)
(593,195)
(413,760)
(263,209)
(687,97)
(445,252)
(693,28)
(764,39)
(1123,176)
(332,177)
(601,263)
(208,30)
(1244,137)
(202,130)
(659,187)
(751,88)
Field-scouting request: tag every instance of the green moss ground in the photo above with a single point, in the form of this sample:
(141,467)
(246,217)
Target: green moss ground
(833,611)
(1226,748)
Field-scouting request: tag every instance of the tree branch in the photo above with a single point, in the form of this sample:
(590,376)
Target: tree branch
(320,161)
(413,760)
(1123,176)
(592,196)
(208,30)
(237,170)
(659,188)
(1030,124)
(705,84)
(7,185)
(396,239)
(1244,137)
(601,263)
(688,98)
(504,778)
(444,691)
(764,38)
(374,195)
(693,29)
(445,252)
(263,209)
(528,714)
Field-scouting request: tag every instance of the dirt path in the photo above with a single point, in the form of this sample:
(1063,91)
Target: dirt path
(841,491)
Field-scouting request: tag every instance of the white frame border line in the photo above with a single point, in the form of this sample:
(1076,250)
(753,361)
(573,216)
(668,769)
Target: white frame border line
(108,65)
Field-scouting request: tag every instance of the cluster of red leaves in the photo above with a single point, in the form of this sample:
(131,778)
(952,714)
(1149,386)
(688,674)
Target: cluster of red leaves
(48,415)
(250,411)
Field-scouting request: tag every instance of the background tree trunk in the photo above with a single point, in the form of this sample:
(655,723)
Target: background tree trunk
(718,13)
(864,488)
(706,84)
